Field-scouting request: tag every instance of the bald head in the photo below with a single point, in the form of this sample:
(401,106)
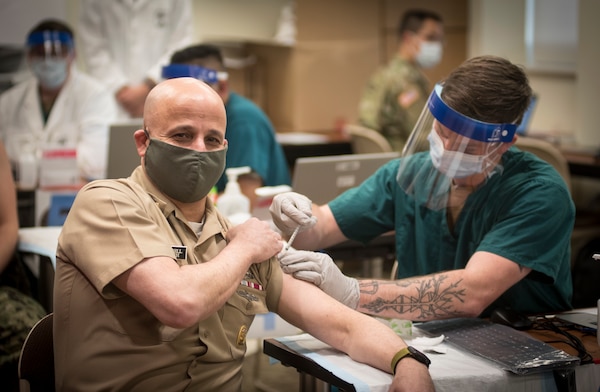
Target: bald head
(180,99)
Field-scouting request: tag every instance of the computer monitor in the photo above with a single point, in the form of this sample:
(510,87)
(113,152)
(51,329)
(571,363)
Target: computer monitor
(323,178)
(122,153)
(523,128)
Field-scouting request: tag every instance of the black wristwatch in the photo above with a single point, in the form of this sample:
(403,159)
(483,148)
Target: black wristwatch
(409,352)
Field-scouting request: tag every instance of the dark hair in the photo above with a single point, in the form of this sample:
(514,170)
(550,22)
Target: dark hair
(488,88)
(197,52)
(412,20)
(51,25)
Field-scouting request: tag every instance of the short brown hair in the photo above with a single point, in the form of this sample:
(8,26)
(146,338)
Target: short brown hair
(488,88)
(412,20)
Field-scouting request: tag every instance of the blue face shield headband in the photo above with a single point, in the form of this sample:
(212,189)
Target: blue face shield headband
(466,126)
(51,42)
(206,75)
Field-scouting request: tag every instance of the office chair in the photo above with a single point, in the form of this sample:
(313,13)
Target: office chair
(547,152)
(36,363)
(60,204)
(366,141)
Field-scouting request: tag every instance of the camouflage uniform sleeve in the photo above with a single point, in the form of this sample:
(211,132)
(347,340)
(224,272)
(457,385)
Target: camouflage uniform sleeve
(371,101)
(19,314)
(402,105)
(412,101)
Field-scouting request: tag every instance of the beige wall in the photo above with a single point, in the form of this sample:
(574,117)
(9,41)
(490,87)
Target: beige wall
(230,20)
(316,84)
(587,85)
(567,101)
(566,105)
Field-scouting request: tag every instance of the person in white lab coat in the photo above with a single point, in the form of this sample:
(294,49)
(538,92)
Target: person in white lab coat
(125,43)
(58,107)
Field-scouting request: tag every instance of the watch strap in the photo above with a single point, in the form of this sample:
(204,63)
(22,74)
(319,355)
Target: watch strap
(407,352)
(399,355)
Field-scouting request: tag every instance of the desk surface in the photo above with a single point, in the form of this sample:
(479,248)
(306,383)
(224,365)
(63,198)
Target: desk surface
(455,370)
(40,240)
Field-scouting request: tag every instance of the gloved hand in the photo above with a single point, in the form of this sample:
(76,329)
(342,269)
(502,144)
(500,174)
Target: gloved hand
(290,210)
(320,270)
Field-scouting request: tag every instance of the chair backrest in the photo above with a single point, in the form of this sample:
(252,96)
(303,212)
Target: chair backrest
(60,205)
(366,141)
(547,152)
(36,364)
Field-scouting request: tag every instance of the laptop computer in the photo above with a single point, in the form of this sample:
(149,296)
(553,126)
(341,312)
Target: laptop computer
(581,319)
(122,153)
(323,178)
(523,128)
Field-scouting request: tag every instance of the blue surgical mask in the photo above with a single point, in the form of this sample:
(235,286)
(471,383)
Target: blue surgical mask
(455,164)
(51,72)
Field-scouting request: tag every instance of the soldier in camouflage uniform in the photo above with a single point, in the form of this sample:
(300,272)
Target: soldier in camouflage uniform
(18,311)
(396,94)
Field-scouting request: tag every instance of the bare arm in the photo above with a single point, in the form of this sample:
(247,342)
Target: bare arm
(363,338)
(179,296)
(458,293)
(9,221)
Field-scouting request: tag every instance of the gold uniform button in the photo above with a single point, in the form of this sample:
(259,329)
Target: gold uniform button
(241,338)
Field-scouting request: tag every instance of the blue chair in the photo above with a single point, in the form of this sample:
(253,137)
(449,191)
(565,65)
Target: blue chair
(60,204)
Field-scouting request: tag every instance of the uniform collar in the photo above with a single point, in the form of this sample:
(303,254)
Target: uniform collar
(211,225)
(162,201)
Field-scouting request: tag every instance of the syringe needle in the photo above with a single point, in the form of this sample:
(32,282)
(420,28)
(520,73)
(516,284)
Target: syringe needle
(289,243)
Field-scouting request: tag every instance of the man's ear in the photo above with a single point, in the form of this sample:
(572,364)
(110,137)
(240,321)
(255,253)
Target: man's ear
(506,146)
(223,88)
(141,141)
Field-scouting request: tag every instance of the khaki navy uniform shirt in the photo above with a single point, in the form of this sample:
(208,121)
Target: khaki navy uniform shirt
(393,100)
(106,340)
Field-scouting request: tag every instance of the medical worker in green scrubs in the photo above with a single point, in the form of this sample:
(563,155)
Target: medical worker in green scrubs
(478,223)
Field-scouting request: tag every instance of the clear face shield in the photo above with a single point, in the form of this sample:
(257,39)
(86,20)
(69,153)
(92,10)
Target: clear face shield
(207,75)
(447,149)
(50,44)
(49,53)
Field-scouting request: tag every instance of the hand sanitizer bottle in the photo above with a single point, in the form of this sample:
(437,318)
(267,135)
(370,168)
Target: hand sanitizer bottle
(233,203)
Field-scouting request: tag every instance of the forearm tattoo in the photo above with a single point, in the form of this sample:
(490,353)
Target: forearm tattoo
(434,298)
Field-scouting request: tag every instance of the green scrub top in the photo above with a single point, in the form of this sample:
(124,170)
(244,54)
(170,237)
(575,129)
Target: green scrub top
(524,214)
(252,142)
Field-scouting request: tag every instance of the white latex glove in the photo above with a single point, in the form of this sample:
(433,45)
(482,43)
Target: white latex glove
(290,210)
(320,270)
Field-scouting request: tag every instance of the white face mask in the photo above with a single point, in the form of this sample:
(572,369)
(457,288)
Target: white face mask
(430,54)
(455,164)
(51,72)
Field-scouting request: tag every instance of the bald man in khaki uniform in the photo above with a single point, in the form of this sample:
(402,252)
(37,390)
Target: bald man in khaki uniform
(155,290)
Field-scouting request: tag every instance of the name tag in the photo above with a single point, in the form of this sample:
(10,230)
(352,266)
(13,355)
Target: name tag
(180,252)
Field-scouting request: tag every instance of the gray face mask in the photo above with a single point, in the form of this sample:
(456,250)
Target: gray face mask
(183,174)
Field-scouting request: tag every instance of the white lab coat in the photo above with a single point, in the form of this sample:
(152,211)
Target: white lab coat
(80,118)
(126,41)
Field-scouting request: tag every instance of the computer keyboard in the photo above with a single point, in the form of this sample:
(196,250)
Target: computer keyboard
(512,350)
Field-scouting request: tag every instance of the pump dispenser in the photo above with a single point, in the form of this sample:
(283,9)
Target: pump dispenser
(233,203)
